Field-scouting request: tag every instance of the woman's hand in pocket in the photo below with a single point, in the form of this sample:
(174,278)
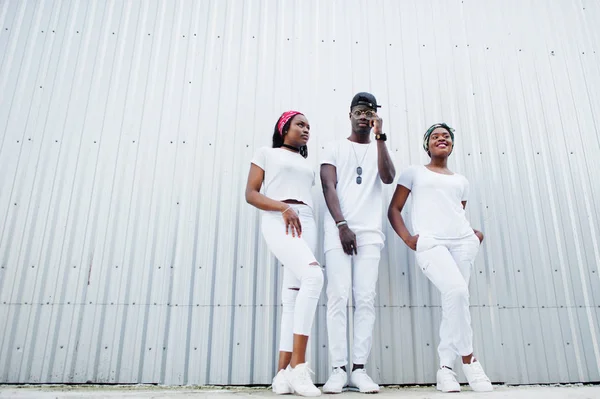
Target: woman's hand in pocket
(479,235)
(411,241)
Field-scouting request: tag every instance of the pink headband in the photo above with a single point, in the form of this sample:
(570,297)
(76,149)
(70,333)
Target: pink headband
(285,118)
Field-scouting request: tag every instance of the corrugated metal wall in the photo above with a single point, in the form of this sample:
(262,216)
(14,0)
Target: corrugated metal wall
(128,253)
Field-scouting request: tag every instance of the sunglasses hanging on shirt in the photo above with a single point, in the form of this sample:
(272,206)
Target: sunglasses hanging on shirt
(358,172)
(359,168)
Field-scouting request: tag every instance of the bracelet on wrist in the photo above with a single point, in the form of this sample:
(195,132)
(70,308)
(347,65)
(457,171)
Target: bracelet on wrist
(341,223)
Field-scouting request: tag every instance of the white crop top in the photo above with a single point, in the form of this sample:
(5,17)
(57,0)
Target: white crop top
(288,175)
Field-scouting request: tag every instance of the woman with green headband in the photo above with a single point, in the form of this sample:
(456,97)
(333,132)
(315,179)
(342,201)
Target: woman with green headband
(446,247)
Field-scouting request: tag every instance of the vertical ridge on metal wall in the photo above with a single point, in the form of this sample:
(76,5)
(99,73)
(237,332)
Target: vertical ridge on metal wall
(129,255)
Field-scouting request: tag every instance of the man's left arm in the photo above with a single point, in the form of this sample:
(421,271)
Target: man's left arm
(387,172)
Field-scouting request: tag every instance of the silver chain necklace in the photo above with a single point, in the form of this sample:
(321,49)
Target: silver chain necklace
(359,168)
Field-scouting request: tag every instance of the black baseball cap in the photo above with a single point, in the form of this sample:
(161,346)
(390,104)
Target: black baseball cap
(364,98)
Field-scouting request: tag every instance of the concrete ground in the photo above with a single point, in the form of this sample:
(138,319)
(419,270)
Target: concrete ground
(147,391)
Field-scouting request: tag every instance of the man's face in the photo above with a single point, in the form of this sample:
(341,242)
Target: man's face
(360,117)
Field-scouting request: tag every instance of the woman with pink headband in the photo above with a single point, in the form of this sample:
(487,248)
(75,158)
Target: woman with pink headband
(289,229)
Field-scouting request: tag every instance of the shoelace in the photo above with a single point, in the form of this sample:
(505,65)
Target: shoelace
(364,375)
(449,375)
(339,371)
(304,375)
(273,384)
(478,373)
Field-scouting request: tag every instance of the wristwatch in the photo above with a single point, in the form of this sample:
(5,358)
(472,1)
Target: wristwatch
(381,136)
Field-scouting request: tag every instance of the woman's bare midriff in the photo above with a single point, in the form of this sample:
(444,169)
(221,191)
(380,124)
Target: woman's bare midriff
(293,201)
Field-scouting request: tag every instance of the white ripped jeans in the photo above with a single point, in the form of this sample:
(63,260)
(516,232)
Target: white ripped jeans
(302,274)
(447,264)
(360,273)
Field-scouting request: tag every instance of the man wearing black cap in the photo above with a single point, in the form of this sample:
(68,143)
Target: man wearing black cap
(353,171)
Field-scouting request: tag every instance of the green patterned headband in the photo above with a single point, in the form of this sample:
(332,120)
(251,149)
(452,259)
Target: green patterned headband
(431,129)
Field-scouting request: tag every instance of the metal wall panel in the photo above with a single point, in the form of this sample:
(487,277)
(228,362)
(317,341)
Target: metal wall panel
(129,255)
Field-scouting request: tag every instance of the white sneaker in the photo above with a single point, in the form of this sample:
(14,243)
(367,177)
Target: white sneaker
(363,382)
(280,384)
(337,381)
(301,382)
(478,381)
(446,380)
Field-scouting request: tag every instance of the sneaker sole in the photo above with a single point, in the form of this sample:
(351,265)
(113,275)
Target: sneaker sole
(355,389)
(346,388)
(289,392)
(309,395)
(483,390)
(440,389)
(282,393)
(306,395)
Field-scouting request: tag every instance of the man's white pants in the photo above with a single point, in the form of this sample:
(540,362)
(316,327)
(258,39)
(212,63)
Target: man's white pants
(447,264)
(359,272)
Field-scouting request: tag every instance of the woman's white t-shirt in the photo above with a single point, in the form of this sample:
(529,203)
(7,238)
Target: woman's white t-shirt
(437,211)
(288,175)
